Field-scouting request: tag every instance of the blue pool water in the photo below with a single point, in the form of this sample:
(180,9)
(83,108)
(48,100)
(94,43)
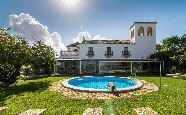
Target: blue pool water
(101,82)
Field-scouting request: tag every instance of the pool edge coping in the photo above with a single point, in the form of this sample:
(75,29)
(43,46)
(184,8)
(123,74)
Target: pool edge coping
(138,86)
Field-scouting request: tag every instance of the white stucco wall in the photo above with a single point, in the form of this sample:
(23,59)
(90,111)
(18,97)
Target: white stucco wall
(136,51)
(141,46)
(100,50)
(132,38)
(145,45)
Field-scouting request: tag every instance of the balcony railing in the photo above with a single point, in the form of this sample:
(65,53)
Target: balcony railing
(69,54)
(109,54)
(126,54)
(90,54)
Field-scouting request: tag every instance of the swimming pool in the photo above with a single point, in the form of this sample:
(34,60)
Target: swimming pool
(99,83)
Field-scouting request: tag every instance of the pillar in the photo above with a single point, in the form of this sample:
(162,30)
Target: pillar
(80,67)
(131,67)
(99,67)
(55,67)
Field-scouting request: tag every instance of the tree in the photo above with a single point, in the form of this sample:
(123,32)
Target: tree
(182,53)
(43,58)
(172,51)
(14,52)
(158,47)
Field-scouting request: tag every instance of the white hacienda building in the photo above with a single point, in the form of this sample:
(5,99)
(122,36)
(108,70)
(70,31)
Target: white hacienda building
(111,56)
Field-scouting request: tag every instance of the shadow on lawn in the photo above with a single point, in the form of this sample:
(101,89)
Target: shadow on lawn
(37,77)
(8,91)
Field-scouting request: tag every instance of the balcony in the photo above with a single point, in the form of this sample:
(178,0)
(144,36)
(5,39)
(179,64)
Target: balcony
(109,54)
(90,54)
(69,54)
(126,54)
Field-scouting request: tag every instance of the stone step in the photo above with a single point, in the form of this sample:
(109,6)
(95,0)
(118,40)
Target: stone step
(33,112)
(145,111)
(93,111)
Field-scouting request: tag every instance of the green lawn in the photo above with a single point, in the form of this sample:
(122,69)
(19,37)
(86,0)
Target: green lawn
(170,100)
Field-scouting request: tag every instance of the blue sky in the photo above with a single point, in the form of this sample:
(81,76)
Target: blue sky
(109,18)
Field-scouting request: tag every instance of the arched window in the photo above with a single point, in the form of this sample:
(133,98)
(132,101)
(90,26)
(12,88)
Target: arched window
(141,31)
(149,31)
(132,33)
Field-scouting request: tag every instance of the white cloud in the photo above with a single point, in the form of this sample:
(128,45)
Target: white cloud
(28,27)
(99,37)
(85,35)
(82,35)
(56,42)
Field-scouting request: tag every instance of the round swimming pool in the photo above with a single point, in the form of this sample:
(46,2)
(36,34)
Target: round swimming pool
(99,83)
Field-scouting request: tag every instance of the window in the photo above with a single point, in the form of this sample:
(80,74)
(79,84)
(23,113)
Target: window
(132,33)
(149,31)
(126,51)
(141,31)
(109,52)
(90,51)
(125,48)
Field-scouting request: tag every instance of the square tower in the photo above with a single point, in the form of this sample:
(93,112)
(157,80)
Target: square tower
(143,35)
(142,30)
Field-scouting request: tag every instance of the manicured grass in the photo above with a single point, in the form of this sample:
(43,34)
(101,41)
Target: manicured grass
(19,97)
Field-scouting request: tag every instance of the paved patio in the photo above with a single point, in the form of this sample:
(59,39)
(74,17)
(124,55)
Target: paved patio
(56,86)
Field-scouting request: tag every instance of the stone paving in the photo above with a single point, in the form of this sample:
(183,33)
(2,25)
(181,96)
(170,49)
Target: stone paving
(33,112)
(56,86)
(93,111)
(145,111)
